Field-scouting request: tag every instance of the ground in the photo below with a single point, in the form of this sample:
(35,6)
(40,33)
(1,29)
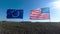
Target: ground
(29,27)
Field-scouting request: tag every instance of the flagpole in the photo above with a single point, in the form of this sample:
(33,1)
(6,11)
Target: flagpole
(49,16)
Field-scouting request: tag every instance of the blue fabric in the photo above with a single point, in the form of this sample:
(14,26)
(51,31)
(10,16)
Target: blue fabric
(45,10)
(13,13)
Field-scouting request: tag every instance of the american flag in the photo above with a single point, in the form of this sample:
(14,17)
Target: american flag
(40,14)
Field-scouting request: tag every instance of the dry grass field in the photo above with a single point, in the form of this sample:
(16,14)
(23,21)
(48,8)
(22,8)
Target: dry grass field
(29,28)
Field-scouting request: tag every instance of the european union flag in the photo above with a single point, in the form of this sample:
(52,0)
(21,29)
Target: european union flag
(14,13)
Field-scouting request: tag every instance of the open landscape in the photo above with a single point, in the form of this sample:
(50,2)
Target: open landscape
(29,27)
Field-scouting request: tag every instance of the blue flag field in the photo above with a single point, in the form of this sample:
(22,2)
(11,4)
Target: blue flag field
(14,13)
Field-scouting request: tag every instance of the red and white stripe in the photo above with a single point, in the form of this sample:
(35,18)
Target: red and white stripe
(37,15)
(34,14)
(44,16)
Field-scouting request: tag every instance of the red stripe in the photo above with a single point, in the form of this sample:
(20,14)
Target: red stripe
(36,14)
(44,16)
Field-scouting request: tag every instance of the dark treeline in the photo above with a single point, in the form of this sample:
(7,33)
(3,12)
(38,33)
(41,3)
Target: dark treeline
(27,27)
